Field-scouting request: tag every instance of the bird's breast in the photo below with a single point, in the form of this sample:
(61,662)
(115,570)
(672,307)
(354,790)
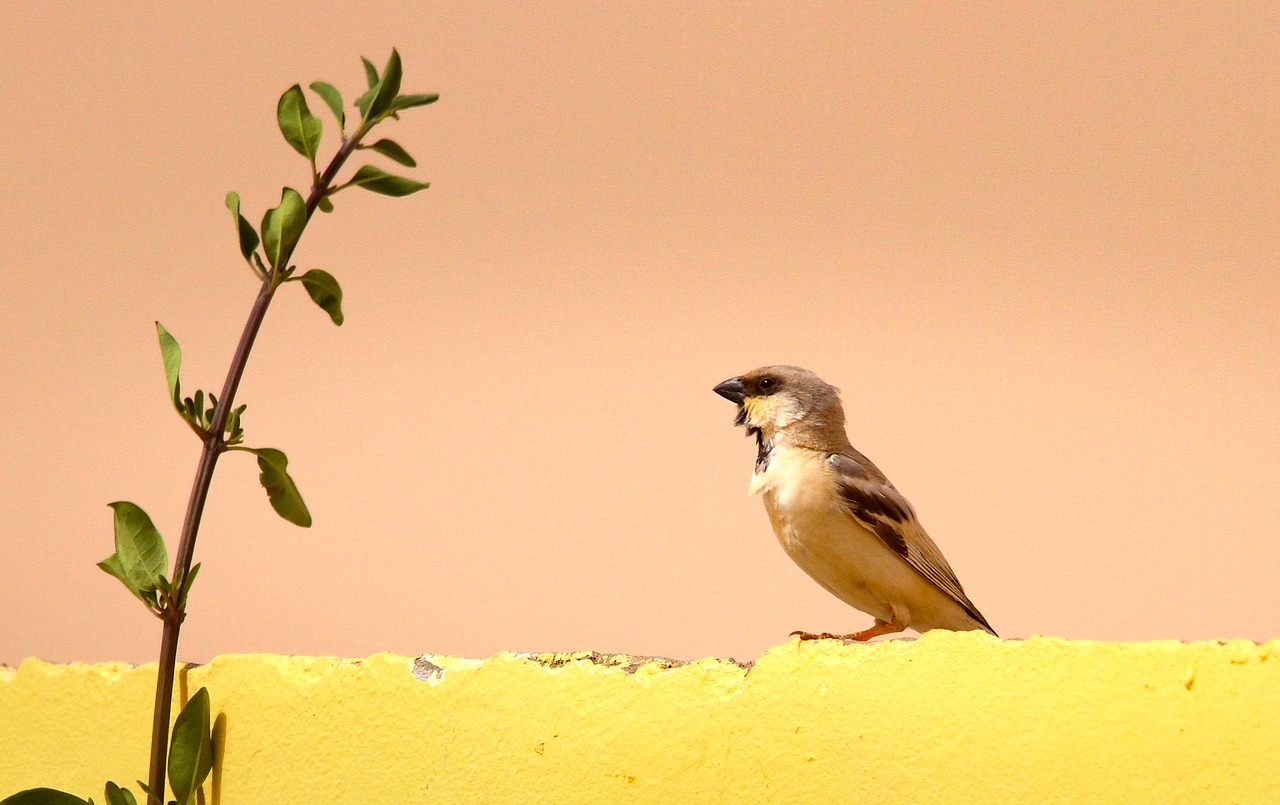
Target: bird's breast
(798,494)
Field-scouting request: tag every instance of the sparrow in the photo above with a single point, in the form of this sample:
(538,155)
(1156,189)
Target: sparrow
(836,514)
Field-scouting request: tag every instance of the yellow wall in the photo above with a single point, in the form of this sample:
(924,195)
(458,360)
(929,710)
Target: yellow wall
(948,718)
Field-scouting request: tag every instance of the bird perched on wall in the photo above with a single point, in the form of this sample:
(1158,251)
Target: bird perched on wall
(836,514)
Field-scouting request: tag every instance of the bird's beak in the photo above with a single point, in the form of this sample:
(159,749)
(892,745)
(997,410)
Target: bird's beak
(732,390)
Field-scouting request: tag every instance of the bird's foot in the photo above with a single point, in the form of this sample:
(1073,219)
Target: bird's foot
(880,628)
(822,636)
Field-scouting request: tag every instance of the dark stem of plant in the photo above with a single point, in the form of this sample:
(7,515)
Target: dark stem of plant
(214,446)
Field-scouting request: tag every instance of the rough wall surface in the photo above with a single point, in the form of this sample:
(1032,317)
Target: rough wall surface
(952,717)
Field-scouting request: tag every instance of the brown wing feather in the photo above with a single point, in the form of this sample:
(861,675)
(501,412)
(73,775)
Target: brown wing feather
(870,499)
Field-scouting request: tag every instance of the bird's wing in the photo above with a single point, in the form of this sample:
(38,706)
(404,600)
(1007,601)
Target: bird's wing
(870,499)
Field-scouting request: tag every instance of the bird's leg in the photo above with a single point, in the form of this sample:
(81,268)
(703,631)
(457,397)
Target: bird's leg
(880,627)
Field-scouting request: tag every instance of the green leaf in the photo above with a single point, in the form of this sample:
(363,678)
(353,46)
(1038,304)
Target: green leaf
(325,204)
(325,292)
(410,101)
(191,749)
(42,796)
(281,490)
(234,432)
(387,89)
(186,586)
(282,226)
(139,547)
(370,72)
(330,95)
(112,567)
(172,355)
(362,103)
(392,149)
(300,128)
(199,407)
(379,181)
(248,238)
(119,796)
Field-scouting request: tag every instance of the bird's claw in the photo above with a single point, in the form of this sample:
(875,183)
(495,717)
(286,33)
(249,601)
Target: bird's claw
(822,636)
(880,628)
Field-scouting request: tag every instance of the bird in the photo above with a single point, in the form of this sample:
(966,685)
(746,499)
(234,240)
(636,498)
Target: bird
(836,514)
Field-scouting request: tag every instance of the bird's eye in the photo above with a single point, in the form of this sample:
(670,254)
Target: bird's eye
(766,383)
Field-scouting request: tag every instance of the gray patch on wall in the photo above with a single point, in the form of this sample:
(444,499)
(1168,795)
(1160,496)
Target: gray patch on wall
(424,670)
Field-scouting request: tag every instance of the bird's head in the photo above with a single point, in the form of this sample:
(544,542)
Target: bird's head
(776,401)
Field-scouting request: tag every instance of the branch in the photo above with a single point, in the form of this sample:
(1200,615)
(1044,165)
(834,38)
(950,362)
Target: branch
(214,445)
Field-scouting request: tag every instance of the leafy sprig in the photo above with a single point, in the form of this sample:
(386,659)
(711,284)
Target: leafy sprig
(141,560)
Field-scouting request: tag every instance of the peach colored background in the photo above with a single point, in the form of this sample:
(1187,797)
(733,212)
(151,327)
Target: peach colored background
(1037,245)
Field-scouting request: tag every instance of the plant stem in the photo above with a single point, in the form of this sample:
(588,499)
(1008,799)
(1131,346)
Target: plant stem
(214,445)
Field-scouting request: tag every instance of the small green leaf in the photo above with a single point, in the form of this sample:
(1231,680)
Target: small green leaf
(235,434)
(186,587)
(362,103)
(172,355)
(43,796)
(392,149)
(379,181)
(119,796)
(410,101)
(199,407)
(191,749)
(370,72)
(139,547)
(282,226)
(325,204)
(248,238)
(281,490)
(330,95)
(325,292)
(387,89)
(300,128)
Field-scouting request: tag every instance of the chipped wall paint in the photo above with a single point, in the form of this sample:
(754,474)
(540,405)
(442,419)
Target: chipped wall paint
(952,717)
